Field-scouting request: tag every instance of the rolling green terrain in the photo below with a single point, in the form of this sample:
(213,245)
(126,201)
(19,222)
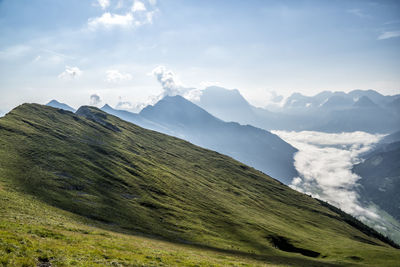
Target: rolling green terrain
(92,189)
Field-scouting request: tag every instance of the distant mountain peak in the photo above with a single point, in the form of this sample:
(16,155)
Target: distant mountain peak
(106,106)
(219,88)
(364,92)
(225,104)
(174,98)
(55,104)
(297,94)
(174,107)
(223,95)
(365,101)
(337,100)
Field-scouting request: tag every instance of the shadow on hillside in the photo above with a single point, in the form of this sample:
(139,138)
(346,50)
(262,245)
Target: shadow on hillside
(296,259)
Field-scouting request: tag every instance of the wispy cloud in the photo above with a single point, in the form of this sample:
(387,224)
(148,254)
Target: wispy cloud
(396,21)
(51,57)
(358,12)
(15,51)
(388,35)
(70,73)
(57,53)
(115,76)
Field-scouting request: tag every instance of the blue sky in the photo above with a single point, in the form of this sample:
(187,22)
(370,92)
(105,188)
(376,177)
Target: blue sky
(70,50)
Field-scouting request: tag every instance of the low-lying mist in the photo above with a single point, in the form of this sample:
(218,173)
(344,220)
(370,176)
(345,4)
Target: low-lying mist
(324,163)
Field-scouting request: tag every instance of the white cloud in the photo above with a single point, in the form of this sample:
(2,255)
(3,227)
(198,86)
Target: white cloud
(109,20)
(95,100)
(138,6)
(193,94)
(104,3)
(137,15)
(388,35)
(354,139)
(134,107)
(125,105)
(168,80)
(138,106)
(324,162)
(58,54)
(153,2)
(115,76)
(70,73)
(172,86)
(50,57)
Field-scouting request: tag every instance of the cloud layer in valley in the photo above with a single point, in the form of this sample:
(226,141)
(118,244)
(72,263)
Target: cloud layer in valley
(325,161)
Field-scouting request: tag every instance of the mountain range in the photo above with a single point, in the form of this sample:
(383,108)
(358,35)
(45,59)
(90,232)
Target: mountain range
(91,175)
(358,110)
(380,175)
(176,116)
(264,151)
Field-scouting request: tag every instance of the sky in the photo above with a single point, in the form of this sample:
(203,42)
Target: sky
(112,51)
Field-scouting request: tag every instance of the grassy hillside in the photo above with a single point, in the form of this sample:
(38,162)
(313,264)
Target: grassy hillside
(125,179)
(35,234)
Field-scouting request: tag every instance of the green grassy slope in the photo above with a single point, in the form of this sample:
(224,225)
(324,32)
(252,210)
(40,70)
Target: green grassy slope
(132,180)
(34,233)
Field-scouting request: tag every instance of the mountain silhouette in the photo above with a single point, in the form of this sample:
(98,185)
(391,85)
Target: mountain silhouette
(55,104)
